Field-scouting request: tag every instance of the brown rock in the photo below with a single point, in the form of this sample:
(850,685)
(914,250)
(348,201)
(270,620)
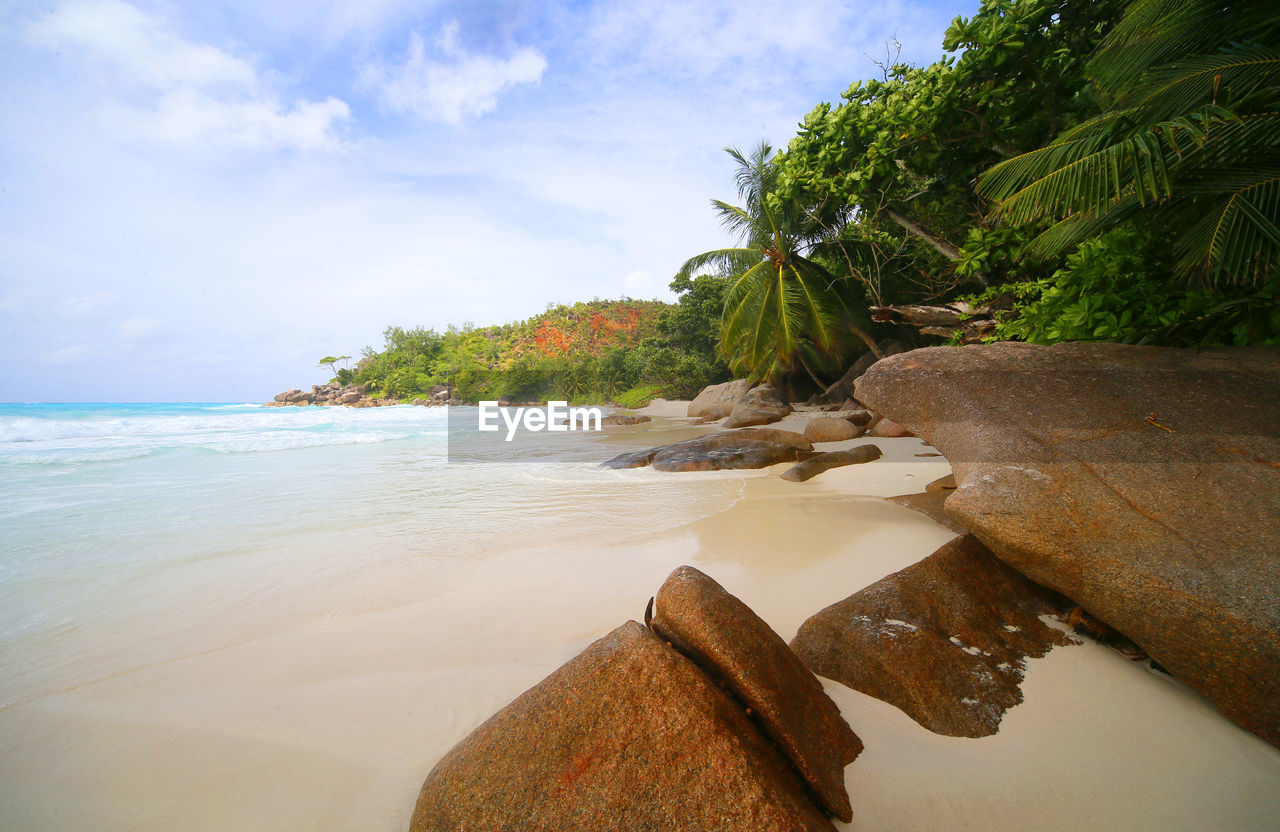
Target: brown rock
(1142,482)
(944,639)
(734,646)
(751,448)
(627,735)
(632,459)
(844,387)
(702,455)
(889,429)
(816,464)
(287,396)
(625,419)
(761,406)
(857,417)
(830,429)
(717,400)
(933,501)
(782,437)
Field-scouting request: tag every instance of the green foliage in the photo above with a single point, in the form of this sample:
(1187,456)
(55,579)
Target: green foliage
(903,150)
(1116,288)
(638,396)
(585,352)
(778,302)
(1190,140)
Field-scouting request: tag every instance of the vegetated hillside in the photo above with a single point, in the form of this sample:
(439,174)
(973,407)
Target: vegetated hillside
(628,350)
(587,329)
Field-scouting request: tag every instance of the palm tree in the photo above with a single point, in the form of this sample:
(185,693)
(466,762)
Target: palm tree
(779,304)
(1190,139)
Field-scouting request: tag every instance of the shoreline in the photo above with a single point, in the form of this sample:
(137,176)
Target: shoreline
(332,723)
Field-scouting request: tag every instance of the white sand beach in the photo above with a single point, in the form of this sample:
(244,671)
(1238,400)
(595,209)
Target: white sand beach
(331,723)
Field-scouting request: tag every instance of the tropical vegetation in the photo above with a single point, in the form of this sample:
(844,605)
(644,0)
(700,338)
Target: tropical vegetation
(1082,169)
(624,350)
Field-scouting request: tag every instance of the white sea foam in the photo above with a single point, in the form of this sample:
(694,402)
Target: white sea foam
(103,434)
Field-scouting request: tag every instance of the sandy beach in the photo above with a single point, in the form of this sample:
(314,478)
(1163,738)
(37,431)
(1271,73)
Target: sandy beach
(332,723)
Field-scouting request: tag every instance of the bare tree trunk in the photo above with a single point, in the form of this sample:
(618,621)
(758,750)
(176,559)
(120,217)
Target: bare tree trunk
(866,339)
(939,245)
(822,385)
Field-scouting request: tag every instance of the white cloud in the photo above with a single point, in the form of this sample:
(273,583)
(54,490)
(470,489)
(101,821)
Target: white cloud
(172,90)
(188,116)
(82,305)
(141,46)
(640,284)
(138,327)
(453,86)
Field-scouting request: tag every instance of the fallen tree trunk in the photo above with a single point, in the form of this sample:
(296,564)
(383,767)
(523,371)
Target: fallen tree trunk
(973,323)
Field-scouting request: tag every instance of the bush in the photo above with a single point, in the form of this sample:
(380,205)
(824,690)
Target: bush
(1115,288)
(638,396)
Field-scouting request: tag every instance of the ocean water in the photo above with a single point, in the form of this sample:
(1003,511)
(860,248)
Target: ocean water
(136,534)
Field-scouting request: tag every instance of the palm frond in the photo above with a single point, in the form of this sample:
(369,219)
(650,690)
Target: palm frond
(726,260)
(1238,234)
(1155,32)
(1236,71)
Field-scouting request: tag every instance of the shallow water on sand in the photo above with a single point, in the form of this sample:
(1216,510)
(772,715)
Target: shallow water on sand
(133,534)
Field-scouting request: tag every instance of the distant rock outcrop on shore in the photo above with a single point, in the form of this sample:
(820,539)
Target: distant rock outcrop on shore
(353,395)
(634,733)
(1142,482)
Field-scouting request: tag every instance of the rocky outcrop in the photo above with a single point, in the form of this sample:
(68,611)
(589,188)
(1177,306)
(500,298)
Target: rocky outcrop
(831,429)
(751,448)
(353,395)
(943,640)
(761,406)
(816,464)
(635,734)
(843,389)
(889,429)
(717,400)
(625,419)
(1144,483)
(730,642)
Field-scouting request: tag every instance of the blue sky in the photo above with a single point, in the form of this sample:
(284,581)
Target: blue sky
(199,200)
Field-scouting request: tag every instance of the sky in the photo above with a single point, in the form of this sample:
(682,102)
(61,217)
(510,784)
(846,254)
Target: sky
(200,200)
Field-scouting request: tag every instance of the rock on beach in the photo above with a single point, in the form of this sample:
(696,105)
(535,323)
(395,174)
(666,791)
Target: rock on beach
(943,640)
(707,721)
(735,647)
(1142,482)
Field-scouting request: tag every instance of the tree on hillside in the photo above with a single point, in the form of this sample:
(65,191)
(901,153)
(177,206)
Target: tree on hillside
(343,374)
(778,302)
(1189,141)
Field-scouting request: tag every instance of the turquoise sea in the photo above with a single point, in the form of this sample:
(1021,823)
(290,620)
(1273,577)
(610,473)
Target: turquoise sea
(133,534)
